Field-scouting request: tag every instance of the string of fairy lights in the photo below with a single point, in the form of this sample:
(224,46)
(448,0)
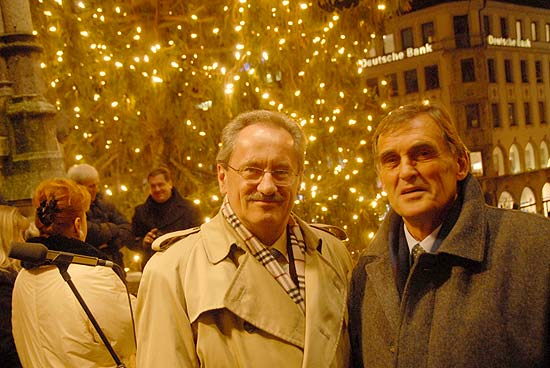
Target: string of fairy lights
(290,56)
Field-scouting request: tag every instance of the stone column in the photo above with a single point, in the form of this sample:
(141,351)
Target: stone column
(29,150)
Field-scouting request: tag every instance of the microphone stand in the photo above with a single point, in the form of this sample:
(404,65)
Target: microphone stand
(62,262)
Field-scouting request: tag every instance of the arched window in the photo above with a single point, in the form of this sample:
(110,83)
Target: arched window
(544,159)
(528,202)
(529,157)
(498,161)
(513,157)
(546,199)
(506,200)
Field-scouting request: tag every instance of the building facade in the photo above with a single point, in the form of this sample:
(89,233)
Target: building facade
(489,62)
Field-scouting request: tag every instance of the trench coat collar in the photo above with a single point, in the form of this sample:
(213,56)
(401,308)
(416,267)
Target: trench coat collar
(465,240)
(252,294)
(220,237)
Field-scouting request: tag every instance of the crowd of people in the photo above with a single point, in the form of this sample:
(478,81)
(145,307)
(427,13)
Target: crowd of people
(447,281)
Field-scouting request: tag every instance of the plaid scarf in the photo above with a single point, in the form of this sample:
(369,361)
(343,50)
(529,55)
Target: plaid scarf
(264,256)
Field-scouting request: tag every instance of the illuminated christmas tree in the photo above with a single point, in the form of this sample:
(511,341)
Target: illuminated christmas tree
(139,83)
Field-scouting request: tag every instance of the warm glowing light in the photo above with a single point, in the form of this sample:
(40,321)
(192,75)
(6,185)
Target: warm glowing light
(134,91)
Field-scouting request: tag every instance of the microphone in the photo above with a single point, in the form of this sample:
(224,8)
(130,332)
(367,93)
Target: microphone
(39,254)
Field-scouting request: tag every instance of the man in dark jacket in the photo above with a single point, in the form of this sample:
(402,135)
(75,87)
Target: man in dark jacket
(108,229)
(447,281)
(164,211)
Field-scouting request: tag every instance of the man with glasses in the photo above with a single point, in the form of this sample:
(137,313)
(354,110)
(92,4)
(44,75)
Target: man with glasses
(256,286)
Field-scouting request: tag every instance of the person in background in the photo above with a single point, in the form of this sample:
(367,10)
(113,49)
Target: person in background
(12,229)
(448,281)
(108,229)
(50,327)
(256,286)
(164,211)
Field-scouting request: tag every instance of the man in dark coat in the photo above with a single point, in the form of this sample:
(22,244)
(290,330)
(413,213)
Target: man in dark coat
(164,211)
(108,229)
(447,281)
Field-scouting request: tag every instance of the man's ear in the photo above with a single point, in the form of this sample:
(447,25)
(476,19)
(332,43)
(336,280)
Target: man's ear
(463,162)
(222,179)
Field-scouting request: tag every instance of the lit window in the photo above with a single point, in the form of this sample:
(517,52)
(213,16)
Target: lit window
(529,157)
(498,161)
(528,202)
(534,27)
(506,200)
(544,157)
(519,29)
(476,163)
(513,158)
(389,44)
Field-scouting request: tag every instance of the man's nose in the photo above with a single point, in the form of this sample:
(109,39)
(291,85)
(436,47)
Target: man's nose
(267,185)
(407,168)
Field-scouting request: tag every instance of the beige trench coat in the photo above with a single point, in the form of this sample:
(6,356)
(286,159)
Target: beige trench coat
(204,302)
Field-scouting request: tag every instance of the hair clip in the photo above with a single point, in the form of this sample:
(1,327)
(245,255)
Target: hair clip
(47,211)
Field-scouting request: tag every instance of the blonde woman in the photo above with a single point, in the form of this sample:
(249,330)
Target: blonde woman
(50,327)
(12,227)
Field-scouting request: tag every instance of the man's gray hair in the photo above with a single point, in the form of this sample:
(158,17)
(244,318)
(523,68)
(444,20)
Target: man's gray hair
(436,111)
(232,130)
(82,172)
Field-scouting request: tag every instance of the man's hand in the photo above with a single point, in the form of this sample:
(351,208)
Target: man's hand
(149,237)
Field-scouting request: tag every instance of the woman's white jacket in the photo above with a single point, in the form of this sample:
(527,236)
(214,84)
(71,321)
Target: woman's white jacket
(51,329)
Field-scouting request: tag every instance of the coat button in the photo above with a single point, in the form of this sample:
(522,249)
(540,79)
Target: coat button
(392,349)
(249,327)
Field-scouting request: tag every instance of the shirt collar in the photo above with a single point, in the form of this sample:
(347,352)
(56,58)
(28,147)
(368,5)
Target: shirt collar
(280,245)
(427,243)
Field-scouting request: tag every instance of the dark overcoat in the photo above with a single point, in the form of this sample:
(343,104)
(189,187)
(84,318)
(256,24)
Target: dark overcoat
(108,229)
(482,300)
(177,213)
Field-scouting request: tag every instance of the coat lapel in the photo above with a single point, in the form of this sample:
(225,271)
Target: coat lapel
(325,310)
(381,279)
(380,275)
(256,297)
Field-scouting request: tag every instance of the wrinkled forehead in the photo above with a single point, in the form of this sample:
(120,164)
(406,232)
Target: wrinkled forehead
(403,125)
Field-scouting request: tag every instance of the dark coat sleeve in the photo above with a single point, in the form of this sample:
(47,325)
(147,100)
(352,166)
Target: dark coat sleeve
(195,216)
(139,228)
(355,306)
(106,225)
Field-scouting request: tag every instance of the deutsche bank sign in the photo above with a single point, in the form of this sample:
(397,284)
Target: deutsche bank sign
(395,56)
(509,42)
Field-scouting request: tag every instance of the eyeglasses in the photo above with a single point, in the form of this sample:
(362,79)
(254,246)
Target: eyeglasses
(253,175)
